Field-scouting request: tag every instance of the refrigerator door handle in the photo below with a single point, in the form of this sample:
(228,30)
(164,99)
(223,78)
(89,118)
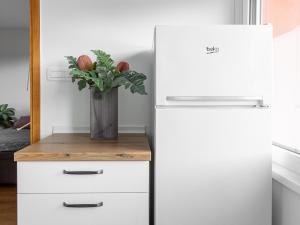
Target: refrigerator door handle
(259,101)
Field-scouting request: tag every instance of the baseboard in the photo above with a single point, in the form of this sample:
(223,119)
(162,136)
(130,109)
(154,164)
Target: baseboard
(78,129)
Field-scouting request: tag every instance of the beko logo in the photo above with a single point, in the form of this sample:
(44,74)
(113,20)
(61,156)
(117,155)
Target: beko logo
(211,50)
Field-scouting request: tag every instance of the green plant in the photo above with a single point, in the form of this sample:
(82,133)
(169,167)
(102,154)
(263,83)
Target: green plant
(104,75)
(7,118)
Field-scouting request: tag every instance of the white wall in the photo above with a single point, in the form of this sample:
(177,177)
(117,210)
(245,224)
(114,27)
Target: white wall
(123,29)
(14,65)
(286,205)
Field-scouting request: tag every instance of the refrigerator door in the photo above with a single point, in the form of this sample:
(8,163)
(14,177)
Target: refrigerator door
(227,60)
(212,166)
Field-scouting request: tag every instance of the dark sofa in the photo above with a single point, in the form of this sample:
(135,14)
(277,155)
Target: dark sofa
(11,141)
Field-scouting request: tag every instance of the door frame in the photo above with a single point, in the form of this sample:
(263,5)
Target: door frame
(34,68)
(248,11)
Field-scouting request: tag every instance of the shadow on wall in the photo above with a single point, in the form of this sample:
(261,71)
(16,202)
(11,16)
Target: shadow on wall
(144,62)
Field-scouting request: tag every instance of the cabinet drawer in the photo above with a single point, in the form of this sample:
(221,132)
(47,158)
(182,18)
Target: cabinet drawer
(113,176)
(116,209)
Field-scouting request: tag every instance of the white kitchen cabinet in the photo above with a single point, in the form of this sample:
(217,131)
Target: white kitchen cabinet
(112,176)
(72,180)
(113,209)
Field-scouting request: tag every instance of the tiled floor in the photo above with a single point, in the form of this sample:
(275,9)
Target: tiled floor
(8,205)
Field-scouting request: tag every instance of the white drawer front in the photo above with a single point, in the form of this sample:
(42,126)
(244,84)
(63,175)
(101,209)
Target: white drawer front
(117,176)
(118,208)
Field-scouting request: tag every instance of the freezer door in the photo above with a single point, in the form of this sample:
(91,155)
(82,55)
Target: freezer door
(212,166)
(228,60)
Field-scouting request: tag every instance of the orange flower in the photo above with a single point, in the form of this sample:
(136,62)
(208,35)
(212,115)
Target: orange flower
(122,66)
(84,63)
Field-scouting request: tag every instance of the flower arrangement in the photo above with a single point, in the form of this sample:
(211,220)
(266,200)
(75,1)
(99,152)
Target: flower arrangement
(103,74)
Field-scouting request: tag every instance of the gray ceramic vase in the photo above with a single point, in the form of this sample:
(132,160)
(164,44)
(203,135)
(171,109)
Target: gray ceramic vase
(104,114)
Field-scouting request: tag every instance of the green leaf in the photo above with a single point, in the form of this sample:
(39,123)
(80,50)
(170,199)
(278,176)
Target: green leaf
(93,74)
(104,61)
(5,116)
(81,84)
(79,73)
(3,107)
(132,80)
(99,84)
(10,113)
(72,62)
(11,109)
(120,81)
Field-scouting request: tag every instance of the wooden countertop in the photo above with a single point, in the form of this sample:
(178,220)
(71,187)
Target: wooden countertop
(79,147)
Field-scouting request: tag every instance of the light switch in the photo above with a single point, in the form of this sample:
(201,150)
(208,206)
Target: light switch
(58,74)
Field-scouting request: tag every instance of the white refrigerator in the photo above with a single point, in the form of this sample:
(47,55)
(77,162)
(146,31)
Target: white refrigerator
(212,136)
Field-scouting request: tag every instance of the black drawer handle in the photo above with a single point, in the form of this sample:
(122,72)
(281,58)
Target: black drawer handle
(82,172)
(82,205)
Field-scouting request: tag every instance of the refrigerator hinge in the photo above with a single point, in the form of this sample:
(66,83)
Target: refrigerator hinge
(260,104)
